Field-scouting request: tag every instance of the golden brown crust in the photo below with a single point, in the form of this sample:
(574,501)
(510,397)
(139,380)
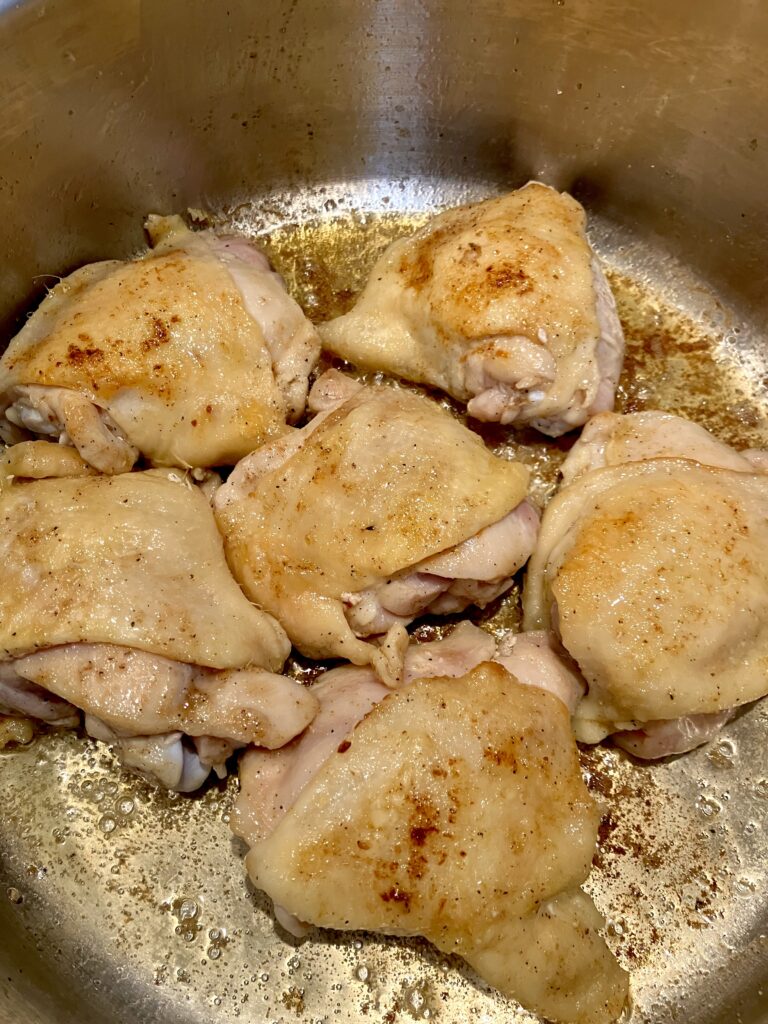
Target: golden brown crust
(386,480)
(133,560)
(470,282)
(456,810)
(166,347)
(658,572)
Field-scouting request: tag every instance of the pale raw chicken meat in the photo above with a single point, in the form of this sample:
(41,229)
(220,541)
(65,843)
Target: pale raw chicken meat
(662,738)
(651,569)
(383,508)
(537,659)
(37,460)
(117,601)
(451,808)
(502,304)
(23,697)
(192,356)
(131,697)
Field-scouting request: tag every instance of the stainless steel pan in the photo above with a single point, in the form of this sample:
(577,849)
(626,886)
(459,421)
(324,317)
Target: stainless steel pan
(118,904)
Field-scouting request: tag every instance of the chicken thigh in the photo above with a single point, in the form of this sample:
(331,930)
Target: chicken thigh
(452,808)
(192,355)
(611,439)
(651,568)
(117,601)
(502,304)
(272,780)
(382,508)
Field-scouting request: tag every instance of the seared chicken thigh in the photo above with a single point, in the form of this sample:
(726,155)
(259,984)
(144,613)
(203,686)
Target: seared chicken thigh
(452,808)
(502,304)
(192,355)
(272,780)
(117,601)
(651,567)
(382,508)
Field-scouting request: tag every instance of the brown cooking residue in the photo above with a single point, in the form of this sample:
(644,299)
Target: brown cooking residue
(326,262)
(654,850)
(293,999)
(674,364)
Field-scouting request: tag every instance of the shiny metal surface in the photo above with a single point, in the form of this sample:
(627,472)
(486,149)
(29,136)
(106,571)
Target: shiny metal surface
(121,904)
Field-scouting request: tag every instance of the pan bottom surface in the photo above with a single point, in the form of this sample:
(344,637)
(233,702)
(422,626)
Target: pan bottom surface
(122,903)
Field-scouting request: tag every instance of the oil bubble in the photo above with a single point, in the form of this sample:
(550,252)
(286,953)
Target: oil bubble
(416,1001)
(188,910)
(708,806)
(723,754)
(745,887)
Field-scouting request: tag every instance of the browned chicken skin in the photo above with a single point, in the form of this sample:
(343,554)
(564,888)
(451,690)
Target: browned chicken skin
(452,808)
(502,304)
(650,566)
(192,355)
(382,508)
